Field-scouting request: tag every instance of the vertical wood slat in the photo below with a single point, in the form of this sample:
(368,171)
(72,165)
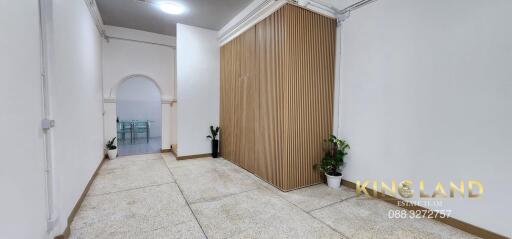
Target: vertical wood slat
(277,86)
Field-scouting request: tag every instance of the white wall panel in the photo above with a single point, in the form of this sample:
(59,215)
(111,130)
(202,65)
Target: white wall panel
(198,79)
(427,94)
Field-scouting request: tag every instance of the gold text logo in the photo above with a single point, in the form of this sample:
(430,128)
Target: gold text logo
(406,189)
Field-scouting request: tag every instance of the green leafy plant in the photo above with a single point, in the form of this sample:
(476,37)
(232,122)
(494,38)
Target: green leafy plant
(213,132)
(111,144)
(334,156)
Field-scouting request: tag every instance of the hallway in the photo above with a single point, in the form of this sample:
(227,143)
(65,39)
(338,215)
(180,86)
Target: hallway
(156,196)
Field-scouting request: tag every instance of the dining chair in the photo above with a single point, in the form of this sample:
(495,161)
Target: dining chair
(125,127)
(141,127)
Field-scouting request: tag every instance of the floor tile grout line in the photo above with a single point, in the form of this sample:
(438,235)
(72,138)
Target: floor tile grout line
(102,167)
(216,199)
(277,194)
(318,219)
(332,228)
(258,188)
(163,227)
(322,222)
(220,197)
(129,189)
(185,199)
(295,205)
(330,204)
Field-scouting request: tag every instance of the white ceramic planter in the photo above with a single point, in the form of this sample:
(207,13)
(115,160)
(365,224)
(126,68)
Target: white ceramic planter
(333,181)
(112,154)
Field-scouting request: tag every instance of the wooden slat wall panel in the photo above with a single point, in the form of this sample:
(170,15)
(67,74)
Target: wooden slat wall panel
(246,100)
(239,99)
(230,72)
(277,83)
(270,133)
(310,40)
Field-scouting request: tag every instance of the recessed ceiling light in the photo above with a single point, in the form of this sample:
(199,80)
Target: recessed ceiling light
(171,7)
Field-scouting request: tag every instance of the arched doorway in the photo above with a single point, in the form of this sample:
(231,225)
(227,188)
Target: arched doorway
(139,116)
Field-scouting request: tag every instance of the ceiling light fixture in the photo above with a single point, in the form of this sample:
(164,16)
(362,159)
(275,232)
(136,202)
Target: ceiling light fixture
(171,7)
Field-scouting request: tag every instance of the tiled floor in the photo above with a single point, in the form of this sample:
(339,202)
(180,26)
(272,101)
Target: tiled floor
(140,146)
(155,196)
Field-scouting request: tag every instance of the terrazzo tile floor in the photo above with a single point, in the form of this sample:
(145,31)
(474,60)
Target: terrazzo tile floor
(156,196)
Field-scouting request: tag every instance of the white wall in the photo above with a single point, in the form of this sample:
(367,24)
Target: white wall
(74,73)
(198,81)
(122,59)
(76,102)
(427,94)
(22,204)
(138,98)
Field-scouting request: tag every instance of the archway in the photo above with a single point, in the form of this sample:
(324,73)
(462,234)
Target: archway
(139,116)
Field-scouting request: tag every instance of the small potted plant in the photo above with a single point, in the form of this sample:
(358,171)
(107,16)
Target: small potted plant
(333,161)
(215,142)
(111,148)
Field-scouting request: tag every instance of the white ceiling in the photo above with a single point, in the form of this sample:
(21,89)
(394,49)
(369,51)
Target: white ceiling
(210,14)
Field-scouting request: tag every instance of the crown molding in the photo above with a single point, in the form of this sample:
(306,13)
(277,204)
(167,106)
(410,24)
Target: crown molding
(96,16)
(248,17)
(164,100)
(260,9)
(109,99)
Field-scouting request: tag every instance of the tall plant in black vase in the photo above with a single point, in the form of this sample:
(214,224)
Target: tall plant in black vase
(214,131)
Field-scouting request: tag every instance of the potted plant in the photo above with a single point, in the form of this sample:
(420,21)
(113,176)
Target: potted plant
(215,142)
(111,148)
(333,161)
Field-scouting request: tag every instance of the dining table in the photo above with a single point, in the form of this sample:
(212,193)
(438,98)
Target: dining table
(132,128)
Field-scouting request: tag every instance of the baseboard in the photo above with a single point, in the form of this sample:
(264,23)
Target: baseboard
(174,150)
(194,156)
(72,215)
(469,228)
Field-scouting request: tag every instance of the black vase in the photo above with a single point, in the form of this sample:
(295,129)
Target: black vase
(215,148)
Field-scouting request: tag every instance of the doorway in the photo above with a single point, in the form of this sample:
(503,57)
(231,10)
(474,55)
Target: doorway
(139,116)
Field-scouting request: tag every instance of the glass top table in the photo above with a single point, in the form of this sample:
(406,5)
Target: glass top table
(132,128)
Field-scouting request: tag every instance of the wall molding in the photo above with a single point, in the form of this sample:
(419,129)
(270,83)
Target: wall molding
(174,150)
(108,38)
(248,17)
(194,156)
(168,101)
(109,100)
(461,225)
(96,16)
(260,9)
(316,7)
(165,100)
(138,36)
(170,150)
